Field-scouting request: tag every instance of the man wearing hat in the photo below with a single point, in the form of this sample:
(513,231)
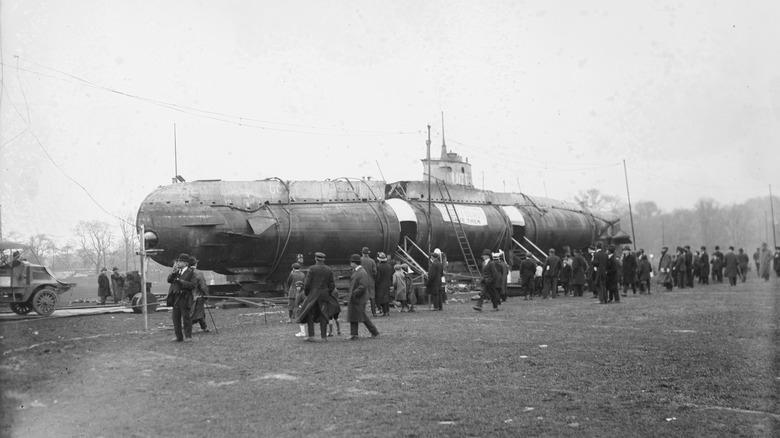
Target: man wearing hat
(551,268)
(200,292)
(319,304)
(358,297)
(717,265)
(384,281)
(613,275)
(630,265)
(704,266)
(295,276)
(117,285)
(182,281)
(433,282)
(578,268)
(599,264)
(665,268)
(731,265)
(370,266)
(490,281)
(681,267)
(527,271)
(104,287)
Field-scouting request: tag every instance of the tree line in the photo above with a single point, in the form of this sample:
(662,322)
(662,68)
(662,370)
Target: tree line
(708,223)
(97,244)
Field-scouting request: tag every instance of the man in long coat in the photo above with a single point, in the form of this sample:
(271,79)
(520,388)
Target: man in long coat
(370,266)
(384,281)
(689,266)
(717,265)
(433,282)
(681,267)
(613,275)
(731,265)
(182,281)
(319,305)
(104,286)
(358,297)
(117,285)
(200,292)
(704,261)
(578,268)
(552,267)
(764,262)
(490,281)
(630,266)
(599,264)
(527,271)
(744,263)
(294,277)
(665,269)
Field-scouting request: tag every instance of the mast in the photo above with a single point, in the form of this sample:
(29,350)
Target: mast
(428,155)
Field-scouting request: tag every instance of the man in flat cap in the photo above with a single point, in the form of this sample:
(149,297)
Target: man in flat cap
(358,297)
(527,271)
(319,305)
(200,292)
(370,266)
(182,281)
(490,282)
(117,285)
(551,268)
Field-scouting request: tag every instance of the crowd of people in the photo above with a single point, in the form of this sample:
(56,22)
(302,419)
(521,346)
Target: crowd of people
(606,272)
(376,285)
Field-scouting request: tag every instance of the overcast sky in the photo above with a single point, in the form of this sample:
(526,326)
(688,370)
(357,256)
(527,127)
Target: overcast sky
(544,97)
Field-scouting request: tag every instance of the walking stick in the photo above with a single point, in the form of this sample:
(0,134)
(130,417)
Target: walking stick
(212,319)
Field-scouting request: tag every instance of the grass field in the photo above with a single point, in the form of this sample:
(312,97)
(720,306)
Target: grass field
(696,363)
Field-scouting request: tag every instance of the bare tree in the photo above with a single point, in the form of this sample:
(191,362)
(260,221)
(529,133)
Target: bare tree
(595,200)
(95,240)
(41,245)
(127,227)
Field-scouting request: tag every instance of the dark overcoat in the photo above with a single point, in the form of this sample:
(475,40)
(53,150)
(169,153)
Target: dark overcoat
(433,283)
(104,287)
(370,266)
(318,287)
(629,268)
(644,270)
(384,282)
(665,268)
(600,263)
(358,296)
(704,262)
(552,266)
(182,289)
(295,276)
(578,266)
(731,265)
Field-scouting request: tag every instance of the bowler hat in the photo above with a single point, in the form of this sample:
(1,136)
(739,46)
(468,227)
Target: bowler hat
(115,268)
(184,258)
(193,260)
(355,258)
(487,252)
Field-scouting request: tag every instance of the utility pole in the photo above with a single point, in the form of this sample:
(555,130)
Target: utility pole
(772,206)
(630,212)
(428,155)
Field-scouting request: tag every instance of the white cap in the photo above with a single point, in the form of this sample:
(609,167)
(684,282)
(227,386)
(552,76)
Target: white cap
(437,251)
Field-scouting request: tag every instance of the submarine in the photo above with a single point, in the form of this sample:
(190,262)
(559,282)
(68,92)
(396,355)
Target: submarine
(253,231)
